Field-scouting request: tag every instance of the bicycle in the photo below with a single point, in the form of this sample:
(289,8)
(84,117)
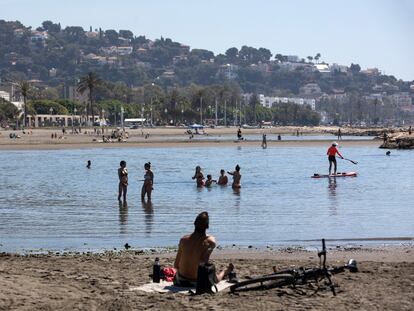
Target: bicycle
(295,277)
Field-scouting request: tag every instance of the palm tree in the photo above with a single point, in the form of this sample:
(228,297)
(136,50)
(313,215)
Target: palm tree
(317,56)
(24,88)
(89,82)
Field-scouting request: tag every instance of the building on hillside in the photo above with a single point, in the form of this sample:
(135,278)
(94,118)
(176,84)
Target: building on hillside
(293,58)
(270,101)
(338,68)
(322,68)
(229,71)
(401,99)
(72,93)
(5,95)
(92,34)
(371,72)
(52,72)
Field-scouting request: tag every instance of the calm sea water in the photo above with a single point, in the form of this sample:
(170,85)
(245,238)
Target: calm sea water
(49,200)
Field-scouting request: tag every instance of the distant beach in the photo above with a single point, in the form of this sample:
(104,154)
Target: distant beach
(167,137)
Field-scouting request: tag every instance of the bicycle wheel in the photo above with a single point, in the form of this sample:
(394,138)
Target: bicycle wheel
(263,282)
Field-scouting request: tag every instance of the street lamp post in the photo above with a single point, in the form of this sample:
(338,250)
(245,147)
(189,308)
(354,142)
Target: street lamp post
(122,118)
(51,112)
(142,116)
(201,110)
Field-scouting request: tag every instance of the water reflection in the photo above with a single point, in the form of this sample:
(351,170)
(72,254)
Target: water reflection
(123,217)
(149,216)
(332,195)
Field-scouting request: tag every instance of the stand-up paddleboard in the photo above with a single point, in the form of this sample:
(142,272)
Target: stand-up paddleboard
(345,174)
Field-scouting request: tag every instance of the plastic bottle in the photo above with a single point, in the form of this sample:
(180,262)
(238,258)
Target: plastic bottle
(156,271)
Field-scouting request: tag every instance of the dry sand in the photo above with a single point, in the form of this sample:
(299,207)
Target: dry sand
(102,281)
(168,137)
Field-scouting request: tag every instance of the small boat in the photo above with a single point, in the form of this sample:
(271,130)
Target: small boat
(345,174)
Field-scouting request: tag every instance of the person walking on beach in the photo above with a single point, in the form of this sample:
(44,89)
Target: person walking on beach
(264,141)
(236,177)
(339,134)
(223,180)
(147,187)
(193,250)
(409,130)
(332,151)
(198,176)
(123,181)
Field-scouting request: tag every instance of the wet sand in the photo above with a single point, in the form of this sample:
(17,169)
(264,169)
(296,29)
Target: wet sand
(102,281)
(168,137)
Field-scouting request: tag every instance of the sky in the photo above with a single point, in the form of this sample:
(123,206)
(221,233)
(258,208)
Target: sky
(371,33)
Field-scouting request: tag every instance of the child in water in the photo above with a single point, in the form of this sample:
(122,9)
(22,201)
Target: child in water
(198,176)
(123,181)
(209,181)
(147,187)
(236,177)
(223,180)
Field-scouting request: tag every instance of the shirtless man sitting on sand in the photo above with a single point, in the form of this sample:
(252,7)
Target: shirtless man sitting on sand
(194,249)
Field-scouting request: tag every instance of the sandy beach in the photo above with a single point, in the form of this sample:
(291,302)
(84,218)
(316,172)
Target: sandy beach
(103,281)
(167,137)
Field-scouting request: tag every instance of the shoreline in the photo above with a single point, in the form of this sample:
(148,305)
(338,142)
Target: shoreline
(40,139)
(184,144)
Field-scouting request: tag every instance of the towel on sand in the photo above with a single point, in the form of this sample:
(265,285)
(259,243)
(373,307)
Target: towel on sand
(169,287)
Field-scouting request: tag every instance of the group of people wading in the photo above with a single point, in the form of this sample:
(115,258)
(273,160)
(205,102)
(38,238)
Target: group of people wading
(222,181)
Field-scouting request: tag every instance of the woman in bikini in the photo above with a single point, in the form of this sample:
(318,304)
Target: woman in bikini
(147,187)
(236,177)
(123,181)
(198,176)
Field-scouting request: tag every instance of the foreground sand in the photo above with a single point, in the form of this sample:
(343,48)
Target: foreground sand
(102,282)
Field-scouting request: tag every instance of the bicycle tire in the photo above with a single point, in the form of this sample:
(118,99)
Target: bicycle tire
(263,282)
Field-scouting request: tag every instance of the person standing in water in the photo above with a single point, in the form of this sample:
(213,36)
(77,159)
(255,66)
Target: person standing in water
(147,187)
(332,151)
(264,141)
(88,165)
(123,181)
(223,180)
(209,181)
(198,176)
(236,177)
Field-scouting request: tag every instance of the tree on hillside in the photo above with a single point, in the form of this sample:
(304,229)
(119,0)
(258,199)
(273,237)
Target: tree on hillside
(232,54)
(355,68)
(279,57)
(310,58)
(89,83)
(317,57)
(24,88)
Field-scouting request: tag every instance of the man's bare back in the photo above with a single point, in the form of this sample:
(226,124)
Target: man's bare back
(193,249)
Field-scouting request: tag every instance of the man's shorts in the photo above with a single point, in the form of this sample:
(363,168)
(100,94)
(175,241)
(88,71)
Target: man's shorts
(181,281)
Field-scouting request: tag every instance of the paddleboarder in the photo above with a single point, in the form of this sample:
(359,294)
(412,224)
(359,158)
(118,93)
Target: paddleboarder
(332,151)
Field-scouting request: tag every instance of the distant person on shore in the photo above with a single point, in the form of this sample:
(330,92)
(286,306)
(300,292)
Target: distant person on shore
(123,181)
(279,137)
(198,176)
(297,133)
(332,151)
(409,130)
(193,250)
(385,137)
(388,153)
(223,180)
(264,141)
(239,134)
(209,181)
(236,177)
(339,134)
(147,187)
(88,164)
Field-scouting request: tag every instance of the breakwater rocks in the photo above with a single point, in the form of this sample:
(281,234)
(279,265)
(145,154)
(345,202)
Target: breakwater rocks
(399,141)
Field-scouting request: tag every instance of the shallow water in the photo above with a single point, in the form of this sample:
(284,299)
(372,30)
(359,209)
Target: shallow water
(49,200)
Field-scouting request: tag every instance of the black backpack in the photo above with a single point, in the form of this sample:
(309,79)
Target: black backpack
(206,279)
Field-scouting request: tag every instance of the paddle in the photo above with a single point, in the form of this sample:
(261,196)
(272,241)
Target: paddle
(353,162)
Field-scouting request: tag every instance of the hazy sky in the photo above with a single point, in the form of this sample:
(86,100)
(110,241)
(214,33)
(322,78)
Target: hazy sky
(372,33)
